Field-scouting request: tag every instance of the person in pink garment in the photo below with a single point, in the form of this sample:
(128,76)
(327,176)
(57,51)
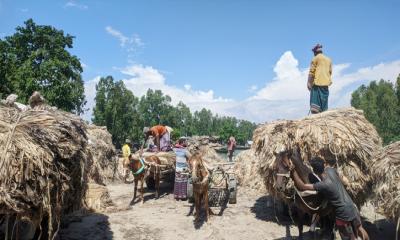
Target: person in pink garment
(231,147)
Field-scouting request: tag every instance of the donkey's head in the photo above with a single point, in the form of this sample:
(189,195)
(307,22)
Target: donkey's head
(282,170)
(197,168)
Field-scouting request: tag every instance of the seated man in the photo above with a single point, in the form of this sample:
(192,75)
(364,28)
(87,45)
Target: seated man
(347,216)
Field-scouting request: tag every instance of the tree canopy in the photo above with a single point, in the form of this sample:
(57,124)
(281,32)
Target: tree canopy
(125,115)
(380,102)
(35,58)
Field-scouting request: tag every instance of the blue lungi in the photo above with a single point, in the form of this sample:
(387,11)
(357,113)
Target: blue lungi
(319,99)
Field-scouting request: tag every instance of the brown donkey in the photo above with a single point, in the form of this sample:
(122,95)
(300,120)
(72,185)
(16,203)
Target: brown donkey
(200,176)
(141,168)
(302,205)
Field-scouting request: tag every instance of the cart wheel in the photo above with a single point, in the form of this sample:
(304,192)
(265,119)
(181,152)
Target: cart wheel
(150,183)
(190,196)
(232,191)
(169,177)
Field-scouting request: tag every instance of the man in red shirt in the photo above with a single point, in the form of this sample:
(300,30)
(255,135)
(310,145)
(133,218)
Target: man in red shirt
(231,147)
(161,136)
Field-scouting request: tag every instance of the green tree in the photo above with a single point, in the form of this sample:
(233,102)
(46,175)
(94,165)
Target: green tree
(381,107)
(116,108)
(125,116)
(228,127)
(155,108)
(245,131)
(203,122)
(35,58)
(398,88)
(184,120)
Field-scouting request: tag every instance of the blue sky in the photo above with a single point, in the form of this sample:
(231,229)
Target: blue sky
(243,58)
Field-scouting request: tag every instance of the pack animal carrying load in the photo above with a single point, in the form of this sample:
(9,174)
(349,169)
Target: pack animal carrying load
(342,134)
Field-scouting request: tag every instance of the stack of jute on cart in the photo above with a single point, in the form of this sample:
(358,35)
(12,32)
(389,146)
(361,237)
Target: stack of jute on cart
(42,164)
(211,141)
(247,164)
(386,173)
(167,159)
(205,145)
(343,134)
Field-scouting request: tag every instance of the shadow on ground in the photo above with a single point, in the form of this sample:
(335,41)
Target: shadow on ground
(89,226)
(165,190)
(268,209)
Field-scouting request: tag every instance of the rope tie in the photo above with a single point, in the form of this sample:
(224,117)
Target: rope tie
(308,206)
(140,170)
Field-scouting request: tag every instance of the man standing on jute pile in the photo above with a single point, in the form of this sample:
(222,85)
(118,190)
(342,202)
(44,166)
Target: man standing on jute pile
(319,80)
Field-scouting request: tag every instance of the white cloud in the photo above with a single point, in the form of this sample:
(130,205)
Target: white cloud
(285,97)
(143,78)
(90,94)
(73,4)
(121,37)
(252,88)
(131,44)
(24,10)
(289,82)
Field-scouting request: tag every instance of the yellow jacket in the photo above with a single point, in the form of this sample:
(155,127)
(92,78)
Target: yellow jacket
(320,70)
(126,151)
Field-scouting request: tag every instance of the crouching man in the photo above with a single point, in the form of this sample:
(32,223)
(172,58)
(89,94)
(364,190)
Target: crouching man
(348,220)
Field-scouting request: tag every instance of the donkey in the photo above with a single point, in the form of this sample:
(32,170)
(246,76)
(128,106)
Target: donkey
(303,204)
(200,176)
(142,168)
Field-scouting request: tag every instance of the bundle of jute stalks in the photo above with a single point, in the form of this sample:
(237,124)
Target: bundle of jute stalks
(206,146)
(103,156)
(342,134)
(386,174)
(246,168)
(42,163)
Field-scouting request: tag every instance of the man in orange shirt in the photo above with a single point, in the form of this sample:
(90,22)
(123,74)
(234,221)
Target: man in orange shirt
(161,135)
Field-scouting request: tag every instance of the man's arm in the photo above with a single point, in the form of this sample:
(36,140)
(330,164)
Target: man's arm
(345,180)
(299,183)
(311,74)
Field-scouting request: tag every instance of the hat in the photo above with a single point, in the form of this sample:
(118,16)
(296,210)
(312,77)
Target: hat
(146,129)
(127,141)
(169,129)
(317,48)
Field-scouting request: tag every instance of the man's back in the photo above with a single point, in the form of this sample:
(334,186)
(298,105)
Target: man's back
(332,189)
(158,130)
(321,69)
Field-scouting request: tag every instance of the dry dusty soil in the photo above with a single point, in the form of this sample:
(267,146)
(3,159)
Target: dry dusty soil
(252,218)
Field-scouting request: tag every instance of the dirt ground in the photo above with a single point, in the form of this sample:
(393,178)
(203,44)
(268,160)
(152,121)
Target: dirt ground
(253,217)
